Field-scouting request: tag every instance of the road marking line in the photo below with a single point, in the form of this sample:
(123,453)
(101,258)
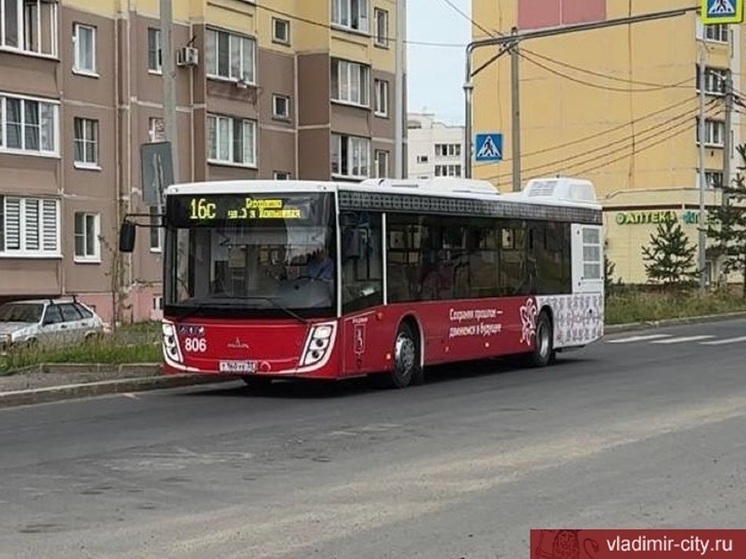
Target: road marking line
(639,339)
(728,341)
(682,340)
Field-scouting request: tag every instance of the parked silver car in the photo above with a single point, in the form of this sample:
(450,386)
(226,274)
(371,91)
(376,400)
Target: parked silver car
(48,322)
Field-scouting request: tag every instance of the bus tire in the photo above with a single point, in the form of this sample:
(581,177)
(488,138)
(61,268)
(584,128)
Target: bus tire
(407,369)
(543,353)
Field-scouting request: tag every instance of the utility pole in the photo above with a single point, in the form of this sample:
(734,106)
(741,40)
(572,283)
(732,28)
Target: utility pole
(702,176)
(400,117)
(728,140)
(169,86)
(513,40)
(515,96)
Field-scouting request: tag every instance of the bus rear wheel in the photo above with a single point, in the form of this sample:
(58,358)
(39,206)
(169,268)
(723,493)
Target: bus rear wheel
(543,353)
(407,369)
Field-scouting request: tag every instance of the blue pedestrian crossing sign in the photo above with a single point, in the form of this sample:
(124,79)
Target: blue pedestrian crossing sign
(722,11)
(488,147)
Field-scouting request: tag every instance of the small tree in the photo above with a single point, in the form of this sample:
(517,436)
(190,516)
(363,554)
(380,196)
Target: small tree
(726,228)
(670,256)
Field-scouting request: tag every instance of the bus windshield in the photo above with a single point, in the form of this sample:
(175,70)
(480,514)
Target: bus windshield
(241,255)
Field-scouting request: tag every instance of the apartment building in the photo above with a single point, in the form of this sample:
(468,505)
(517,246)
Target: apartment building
(282,89)
(618,106)
(435,148)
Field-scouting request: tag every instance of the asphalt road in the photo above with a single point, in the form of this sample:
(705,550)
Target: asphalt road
(631,432)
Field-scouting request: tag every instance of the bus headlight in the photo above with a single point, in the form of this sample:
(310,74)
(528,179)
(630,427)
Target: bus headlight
(171,343)
(318,344)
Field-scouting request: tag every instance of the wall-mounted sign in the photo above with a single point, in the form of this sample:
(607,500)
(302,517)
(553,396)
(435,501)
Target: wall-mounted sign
(687,217)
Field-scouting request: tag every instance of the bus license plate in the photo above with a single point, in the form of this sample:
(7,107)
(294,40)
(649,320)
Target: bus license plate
(238,366)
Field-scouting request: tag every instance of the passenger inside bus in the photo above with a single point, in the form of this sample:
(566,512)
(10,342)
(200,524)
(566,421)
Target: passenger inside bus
(320,266)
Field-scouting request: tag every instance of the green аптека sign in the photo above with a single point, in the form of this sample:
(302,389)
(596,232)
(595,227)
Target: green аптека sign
(689,217)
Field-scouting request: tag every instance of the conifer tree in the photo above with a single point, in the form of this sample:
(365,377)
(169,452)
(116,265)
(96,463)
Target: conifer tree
(670,256)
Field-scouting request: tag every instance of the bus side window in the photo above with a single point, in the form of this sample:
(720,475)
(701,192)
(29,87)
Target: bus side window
(362,261)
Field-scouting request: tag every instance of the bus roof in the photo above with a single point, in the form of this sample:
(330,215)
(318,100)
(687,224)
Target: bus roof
(555,191)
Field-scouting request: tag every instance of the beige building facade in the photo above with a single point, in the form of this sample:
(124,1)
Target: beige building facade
(618,106)
(287,89)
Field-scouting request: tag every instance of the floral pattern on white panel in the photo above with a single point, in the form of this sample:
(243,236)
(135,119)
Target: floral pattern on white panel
(578,318)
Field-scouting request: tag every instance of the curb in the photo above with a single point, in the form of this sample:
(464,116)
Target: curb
(615,328)
(88,389)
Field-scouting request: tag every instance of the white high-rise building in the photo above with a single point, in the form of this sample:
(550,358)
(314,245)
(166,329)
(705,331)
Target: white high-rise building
(435,148)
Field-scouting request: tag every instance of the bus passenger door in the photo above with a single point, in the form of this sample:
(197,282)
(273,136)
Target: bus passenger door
(363,332)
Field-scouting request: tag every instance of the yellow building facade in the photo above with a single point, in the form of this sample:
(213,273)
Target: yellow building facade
(618,106)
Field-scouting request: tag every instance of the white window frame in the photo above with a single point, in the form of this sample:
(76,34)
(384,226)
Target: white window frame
(276,114)
(714,133)
(29,26)
(218,154)
(715,80)
(91,254)
(51,108)
(447,150)
(351,15)
(381,23)
(44,227)
(242,70)
(155,226)
(448,170)
(354,147)
(381,93)
(154,50)
(352,85)
(156,129)
(423,159)
(85,141)
(282,175)
(78,58)
(381,158)
(284,24)
(713,33)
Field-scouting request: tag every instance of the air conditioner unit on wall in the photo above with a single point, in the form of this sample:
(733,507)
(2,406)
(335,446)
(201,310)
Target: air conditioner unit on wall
(187,56)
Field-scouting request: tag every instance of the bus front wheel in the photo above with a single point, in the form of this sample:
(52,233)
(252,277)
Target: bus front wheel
(407,369)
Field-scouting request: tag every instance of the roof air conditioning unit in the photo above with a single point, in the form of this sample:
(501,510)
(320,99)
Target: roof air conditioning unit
(187,56)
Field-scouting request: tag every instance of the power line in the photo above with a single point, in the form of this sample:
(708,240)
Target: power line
(468,18)
(677,121)
(597,86)
(602,75)
(603,132)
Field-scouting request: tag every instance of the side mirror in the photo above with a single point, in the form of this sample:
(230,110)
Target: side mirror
(127,234)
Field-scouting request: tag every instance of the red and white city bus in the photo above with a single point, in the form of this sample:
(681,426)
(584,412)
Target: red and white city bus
(307,279)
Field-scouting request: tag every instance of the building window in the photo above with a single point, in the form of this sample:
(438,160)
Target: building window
(381,90)
(156,231)
(230,56)
(155,62)
(350,82)
(156,129)
(84,37)
(281,31)
(715,80)
(422,159)
(382,27)
(86,142)
(29,26)
(87,233)
(351,14)
(281,107)
(281,176)
(29,227)
(713,178)
(714,132)
(448,170)
(232,140)
(447,150)
(382,163)
(717,32)
(28,126)
(350,156)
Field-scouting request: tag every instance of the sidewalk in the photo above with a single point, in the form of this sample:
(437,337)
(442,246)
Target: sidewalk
(48,383)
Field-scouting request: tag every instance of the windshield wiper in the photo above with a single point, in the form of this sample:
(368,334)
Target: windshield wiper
(264,298)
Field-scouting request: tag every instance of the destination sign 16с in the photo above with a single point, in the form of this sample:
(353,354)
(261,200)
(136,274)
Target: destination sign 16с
(206,208)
